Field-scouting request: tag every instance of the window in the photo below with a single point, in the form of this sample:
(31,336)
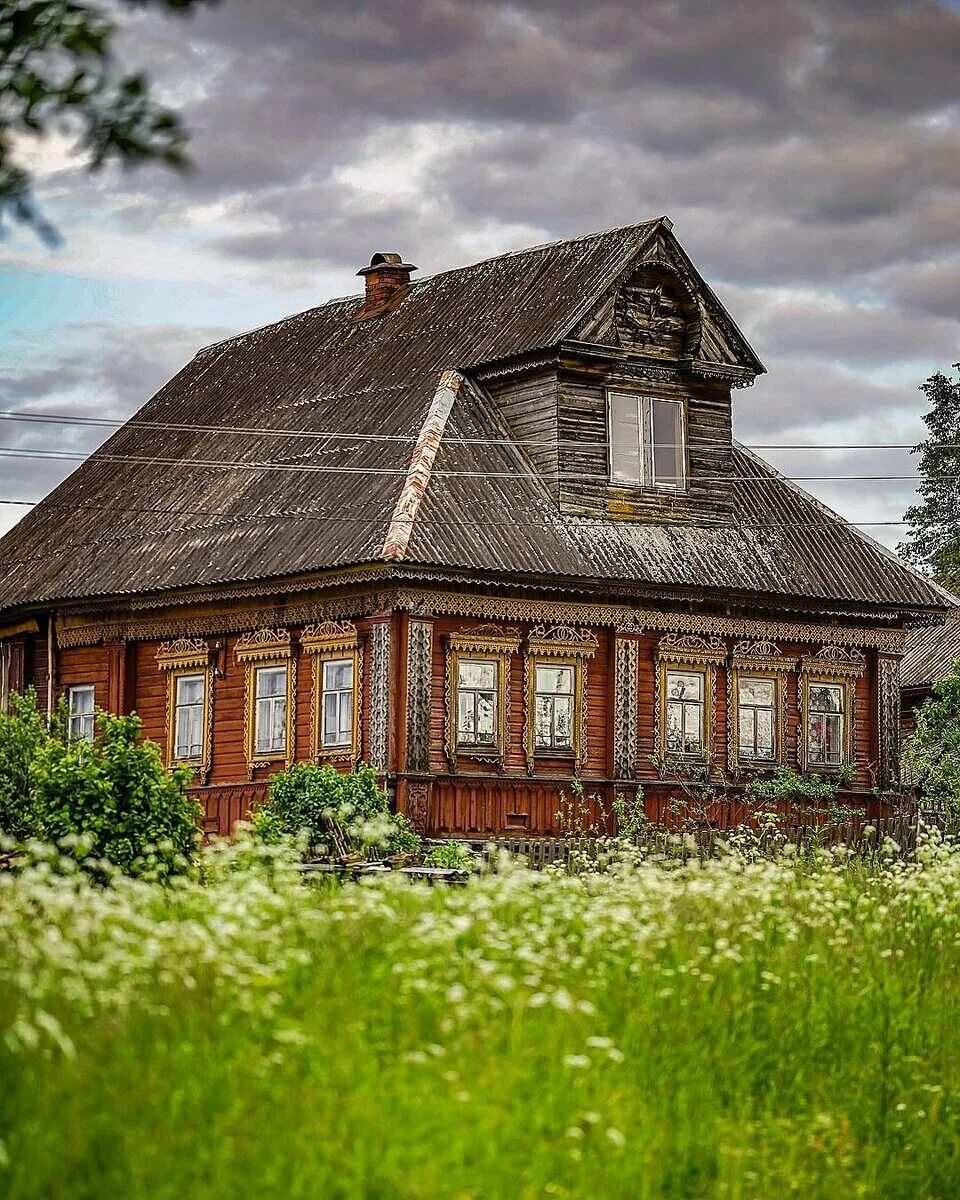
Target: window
(684,715)
(337,703)
(188,713)
(554,707)
(477,687)
(270,722)
(646,441)
(825,724)
(756,714)
(80,707)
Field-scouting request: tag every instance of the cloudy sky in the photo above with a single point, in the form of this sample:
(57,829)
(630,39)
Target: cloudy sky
(808,152)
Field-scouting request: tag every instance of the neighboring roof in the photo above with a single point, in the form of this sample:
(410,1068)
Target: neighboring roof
(169,516)
(930,652)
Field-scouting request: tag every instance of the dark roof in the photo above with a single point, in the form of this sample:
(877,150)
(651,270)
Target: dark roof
(168,516)
(930,653)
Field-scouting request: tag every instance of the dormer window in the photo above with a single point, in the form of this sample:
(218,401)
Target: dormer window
(646,438)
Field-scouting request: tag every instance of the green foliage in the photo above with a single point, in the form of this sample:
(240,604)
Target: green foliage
(23,731)
(57,72)
(403,838)
(933,537)
(112,799)
(932,752)
(792,787)
(455,856)
(731,1029)
(118,797)
(301,797)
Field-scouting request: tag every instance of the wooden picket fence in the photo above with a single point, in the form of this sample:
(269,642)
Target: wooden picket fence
(863,838)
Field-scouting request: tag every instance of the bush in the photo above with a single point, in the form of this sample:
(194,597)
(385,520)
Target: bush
(23,731)
(305,796)
(455,856)
(112,798)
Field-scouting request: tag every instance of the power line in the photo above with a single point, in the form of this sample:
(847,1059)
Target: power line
(322,468)
(340,518)
(327,435)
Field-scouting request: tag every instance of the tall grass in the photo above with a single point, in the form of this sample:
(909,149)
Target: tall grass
(739,1029)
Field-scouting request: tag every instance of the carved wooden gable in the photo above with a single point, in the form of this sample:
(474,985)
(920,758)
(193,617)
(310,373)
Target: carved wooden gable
(661,308)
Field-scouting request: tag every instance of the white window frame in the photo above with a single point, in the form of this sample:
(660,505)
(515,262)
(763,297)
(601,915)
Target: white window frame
(648,478)
(811,712)
(553,745)
(466,740)
(750,755)
(700,705)
(341,742)
(179,678)
(81,727)
(269,706)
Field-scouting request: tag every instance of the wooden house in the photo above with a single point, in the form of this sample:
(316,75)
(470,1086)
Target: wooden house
(489,532)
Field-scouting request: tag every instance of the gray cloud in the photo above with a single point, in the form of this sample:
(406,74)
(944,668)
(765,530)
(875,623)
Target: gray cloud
(808,151)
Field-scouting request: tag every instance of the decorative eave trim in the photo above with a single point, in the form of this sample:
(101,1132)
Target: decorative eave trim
(183,653)
(530,361)
(421,465)
(737,377)
(263,644)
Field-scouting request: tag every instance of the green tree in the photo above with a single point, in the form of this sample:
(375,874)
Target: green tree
(931,754)
(58,72)
(933,537)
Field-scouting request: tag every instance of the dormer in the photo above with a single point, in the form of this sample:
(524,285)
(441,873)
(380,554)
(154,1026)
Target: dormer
(632,421)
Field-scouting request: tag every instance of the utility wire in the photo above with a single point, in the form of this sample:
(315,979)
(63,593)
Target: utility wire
(322,468)
(421,518)
(326,435)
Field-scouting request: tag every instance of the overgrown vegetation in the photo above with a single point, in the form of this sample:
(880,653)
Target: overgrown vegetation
(318,804)
(112,799)
(738,1029)
(932,753)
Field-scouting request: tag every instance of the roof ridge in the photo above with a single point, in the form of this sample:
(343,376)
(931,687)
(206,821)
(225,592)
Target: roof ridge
(582,237)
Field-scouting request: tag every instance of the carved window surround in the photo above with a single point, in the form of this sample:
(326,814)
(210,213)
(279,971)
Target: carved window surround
(180,657)
(328,641)
(839,666)
(484,643)
(267,648)
(758,660)
(688,652)
(558,645)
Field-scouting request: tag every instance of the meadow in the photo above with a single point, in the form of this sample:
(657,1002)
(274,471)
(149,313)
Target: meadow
(733,1029)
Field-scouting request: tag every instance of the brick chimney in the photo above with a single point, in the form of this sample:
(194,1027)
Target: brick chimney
(387,278)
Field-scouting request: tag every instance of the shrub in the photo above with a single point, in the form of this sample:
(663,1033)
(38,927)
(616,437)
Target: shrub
(116,795)
(23,731)
(455,856)
(305,796)
(112,798)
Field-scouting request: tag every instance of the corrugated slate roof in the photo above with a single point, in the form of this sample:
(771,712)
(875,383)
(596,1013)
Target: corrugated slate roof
(168,516)
(930,652)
